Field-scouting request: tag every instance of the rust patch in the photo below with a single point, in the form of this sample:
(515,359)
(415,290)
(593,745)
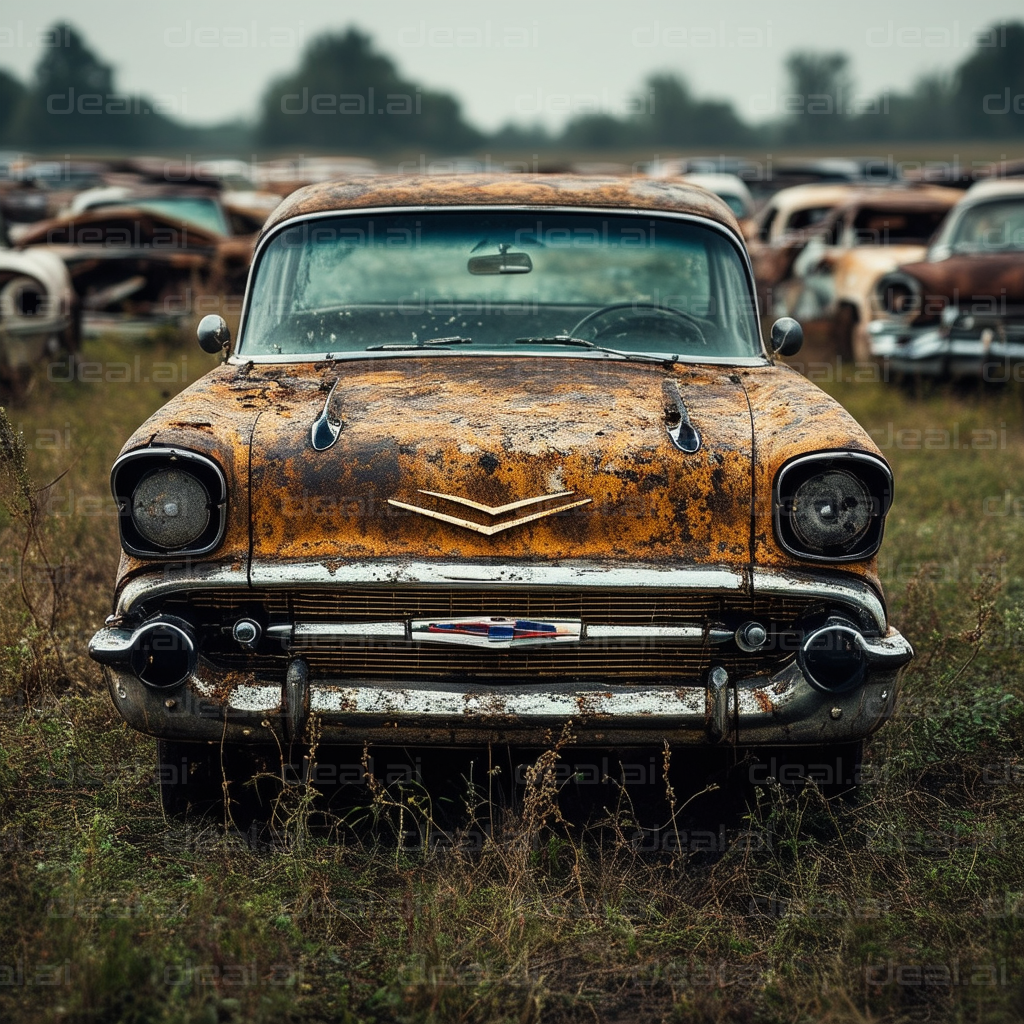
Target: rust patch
(764,702)
(982,283)
(502,189)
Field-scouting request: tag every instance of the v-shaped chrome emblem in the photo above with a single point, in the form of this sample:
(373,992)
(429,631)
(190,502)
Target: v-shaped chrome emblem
(491,510)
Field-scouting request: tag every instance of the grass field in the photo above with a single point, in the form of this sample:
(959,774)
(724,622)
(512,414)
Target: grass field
(904,904)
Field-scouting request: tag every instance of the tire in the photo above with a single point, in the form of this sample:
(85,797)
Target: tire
(189,776)
(844,324)
(834,768)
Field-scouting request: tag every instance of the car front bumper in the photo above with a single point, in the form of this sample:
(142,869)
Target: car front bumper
(935,352)
(780,705)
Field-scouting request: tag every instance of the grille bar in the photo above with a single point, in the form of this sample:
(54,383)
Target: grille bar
(642,641)
(606,607)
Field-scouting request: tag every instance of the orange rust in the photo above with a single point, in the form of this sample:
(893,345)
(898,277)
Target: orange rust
(764,702)
(791,416)
(502,190)
(498,431)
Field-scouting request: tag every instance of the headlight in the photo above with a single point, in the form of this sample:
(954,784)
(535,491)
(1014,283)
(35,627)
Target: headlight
(899,294)
(172,502)
(23,298)
(832,506)
(171,508)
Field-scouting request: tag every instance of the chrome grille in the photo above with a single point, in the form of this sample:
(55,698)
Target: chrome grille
(623,606)
(642,660)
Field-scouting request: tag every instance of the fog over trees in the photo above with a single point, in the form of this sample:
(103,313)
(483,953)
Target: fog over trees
(347,96)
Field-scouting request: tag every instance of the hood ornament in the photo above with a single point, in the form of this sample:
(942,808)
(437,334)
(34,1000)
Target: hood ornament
(327,426)
(491,510)
(681,431)
(495,632)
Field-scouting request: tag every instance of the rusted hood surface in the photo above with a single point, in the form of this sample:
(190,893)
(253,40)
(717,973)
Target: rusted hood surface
(498,431)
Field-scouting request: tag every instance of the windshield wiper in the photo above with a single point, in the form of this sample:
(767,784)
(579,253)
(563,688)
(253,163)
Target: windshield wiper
(565,339)
(429,343)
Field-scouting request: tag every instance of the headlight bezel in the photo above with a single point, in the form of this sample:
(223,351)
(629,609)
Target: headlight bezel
(870,470)
(129,471)
(910,303)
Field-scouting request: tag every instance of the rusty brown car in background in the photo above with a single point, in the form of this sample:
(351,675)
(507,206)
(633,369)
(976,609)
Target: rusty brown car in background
(146,254)
(492,458)
(959,311)
(826,275)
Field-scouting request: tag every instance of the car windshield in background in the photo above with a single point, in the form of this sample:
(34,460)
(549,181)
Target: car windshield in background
(490,279)
(735,203)
(203,213)
(889,227)
(991,227)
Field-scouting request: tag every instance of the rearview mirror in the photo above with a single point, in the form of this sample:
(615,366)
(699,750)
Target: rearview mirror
(787,336)
(213,334)
(505,263)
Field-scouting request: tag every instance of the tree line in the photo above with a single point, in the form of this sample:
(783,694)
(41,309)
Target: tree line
(346,96)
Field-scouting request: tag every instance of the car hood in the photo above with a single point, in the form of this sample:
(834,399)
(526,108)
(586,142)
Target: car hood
(497,431)
(493,432)
(984,283)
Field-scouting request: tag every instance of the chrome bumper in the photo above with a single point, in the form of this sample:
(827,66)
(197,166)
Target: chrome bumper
(782,708)
(930,351)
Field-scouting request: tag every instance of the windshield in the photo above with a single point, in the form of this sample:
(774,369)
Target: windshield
(495,277)
(990,227)
(735,203)
(203,213)
(891,227)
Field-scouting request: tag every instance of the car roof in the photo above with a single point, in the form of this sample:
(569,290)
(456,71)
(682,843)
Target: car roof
(718,182)
(926,197)
(529,190)
(998,189)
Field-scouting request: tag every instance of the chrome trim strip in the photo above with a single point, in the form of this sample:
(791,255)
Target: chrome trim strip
(693,634)
(846,589)
(557,702)
(342,630)
(737,242)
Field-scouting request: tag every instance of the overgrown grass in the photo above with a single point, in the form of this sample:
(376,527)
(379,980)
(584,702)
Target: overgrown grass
(906,904)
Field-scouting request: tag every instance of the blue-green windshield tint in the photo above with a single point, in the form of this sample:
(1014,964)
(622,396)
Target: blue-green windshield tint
(200,211)
(343,284)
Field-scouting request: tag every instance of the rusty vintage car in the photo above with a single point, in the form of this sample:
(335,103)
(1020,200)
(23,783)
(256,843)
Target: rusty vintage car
(489,458)
(959,311)
(40,318)
(825,276)
(151,254)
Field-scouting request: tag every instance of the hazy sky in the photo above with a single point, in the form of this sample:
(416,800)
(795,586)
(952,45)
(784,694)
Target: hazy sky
(523,61)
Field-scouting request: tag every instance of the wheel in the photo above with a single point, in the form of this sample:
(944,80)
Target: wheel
(844,325)
(640,311)
(834,768)
(189,776)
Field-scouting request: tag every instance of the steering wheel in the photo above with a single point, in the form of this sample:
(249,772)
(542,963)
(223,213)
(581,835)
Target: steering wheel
(641,310)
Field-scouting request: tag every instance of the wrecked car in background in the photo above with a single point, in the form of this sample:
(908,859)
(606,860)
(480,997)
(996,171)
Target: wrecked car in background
(826,275)
(960,310)
(149,254)
(39,314)
(490,458)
